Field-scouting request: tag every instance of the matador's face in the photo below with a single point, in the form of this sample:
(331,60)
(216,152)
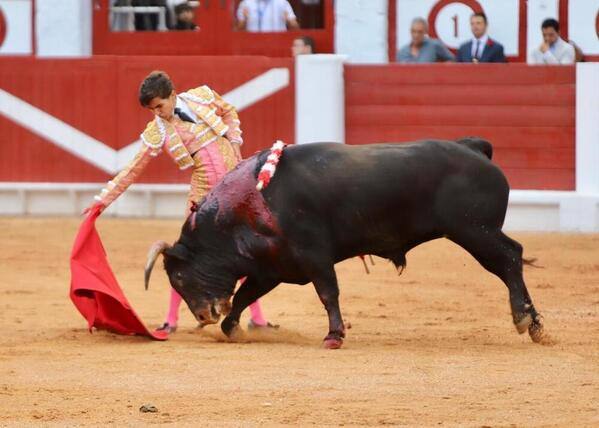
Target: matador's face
(163,107)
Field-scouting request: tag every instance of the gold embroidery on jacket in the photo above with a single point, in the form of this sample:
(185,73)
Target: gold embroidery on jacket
(153,137)
(228,154)
(199,182)
(201,101)
(176,148)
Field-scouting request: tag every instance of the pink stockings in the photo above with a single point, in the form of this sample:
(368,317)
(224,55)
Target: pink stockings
(173,311)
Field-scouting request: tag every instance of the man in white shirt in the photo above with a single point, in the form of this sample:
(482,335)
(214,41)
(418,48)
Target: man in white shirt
(553,50)
(260,16)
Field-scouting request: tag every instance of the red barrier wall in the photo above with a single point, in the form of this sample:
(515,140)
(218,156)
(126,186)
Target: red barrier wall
(527,113)
(98,96)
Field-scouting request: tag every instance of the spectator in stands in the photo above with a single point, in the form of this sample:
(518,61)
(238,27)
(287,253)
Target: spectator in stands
(481,48)
(423,48)
(185,17)
(302,46)
(265,16)
(553,50)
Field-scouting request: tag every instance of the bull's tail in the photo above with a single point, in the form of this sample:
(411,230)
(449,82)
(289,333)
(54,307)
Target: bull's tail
(270,166)
(478,145)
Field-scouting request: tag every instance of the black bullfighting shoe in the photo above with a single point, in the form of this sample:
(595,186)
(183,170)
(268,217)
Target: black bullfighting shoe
(253,326)
(167,328)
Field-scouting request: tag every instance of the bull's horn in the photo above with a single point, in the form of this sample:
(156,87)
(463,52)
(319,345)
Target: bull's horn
(157,248)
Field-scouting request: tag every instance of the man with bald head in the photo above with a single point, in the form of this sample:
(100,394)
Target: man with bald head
(422,48)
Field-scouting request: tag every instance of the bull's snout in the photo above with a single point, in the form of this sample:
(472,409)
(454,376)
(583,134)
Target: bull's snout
(211,312)
(206,315)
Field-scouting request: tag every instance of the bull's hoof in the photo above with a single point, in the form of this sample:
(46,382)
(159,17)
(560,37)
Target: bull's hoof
(537,332)
(332,341)
(522,322)
(228,326)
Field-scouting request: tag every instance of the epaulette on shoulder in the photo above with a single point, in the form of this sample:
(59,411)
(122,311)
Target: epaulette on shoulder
(153,137)
(202,95)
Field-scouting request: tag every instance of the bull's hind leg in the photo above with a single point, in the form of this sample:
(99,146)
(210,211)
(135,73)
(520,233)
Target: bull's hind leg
(501,255)
(325,283)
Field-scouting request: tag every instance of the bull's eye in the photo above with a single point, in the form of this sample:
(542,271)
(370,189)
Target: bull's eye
(179,276)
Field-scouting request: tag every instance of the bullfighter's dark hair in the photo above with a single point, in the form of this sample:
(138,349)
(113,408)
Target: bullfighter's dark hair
(482,15)
(550,23)
(156,84)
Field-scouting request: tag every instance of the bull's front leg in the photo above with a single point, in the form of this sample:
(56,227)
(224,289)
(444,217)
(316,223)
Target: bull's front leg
(328,291)
(249,291)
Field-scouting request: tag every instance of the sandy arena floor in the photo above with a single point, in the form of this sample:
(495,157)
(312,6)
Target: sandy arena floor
(435,346)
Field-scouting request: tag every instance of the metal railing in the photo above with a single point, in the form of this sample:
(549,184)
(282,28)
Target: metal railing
(128,11)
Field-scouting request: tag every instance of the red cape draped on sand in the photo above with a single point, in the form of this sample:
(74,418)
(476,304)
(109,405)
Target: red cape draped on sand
(94,288)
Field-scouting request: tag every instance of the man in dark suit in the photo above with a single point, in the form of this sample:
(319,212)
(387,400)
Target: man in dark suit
(481,48)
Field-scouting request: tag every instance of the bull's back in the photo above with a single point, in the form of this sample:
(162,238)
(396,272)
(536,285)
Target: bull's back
(384,191)
(388,174)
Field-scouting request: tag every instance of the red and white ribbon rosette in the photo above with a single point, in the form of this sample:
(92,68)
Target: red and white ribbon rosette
(270,166)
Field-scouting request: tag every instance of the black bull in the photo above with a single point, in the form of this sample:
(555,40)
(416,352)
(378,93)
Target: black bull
(328,202)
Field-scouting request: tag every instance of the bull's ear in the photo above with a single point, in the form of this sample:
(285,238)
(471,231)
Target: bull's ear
(178,251)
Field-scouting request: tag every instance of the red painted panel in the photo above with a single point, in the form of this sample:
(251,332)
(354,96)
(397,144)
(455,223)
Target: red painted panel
(68,90)
(501,136)
(278,44)
(26,157)
(509,95)
(460,74)
(527,113)
(540,179)
(533,158)
(98,96)
(460,115)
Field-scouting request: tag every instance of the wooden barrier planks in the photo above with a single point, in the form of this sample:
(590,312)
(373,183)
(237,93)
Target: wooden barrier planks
(526,112)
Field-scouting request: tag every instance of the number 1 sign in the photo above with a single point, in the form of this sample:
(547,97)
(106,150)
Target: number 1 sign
(449,21)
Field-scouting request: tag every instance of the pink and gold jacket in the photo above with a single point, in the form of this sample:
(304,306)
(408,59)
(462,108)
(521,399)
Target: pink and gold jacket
(217,119)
